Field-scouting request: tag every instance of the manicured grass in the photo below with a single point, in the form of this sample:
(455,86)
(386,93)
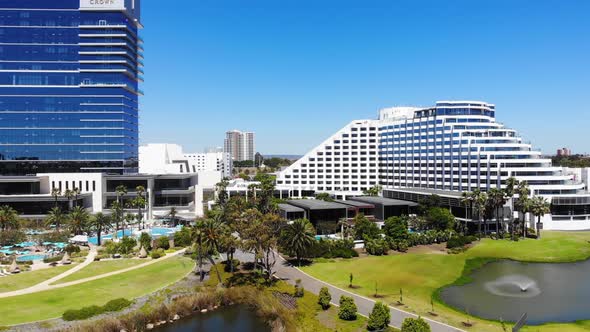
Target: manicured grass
(102,267)
(129,285)
(420,275)
(311,317)
(28,279)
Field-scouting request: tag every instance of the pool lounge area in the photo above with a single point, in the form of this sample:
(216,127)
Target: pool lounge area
(155,232)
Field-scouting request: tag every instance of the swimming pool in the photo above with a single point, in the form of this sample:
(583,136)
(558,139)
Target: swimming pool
(26,258)
(155,232)
(109,237)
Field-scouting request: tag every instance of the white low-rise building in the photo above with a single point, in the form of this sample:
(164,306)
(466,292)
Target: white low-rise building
(31,196)
(160,158)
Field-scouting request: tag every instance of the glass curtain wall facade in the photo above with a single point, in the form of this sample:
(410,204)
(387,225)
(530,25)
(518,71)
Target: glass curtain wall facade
(69,86)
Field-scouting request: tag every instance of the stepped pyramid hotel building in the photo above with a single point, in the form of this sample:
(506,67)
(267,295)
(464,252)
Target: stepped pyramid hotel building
(69,75)
(452,147)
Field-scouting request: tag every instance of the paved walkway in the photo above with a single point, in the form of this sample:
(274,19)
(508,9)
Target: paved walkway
(48,284)
(365,305)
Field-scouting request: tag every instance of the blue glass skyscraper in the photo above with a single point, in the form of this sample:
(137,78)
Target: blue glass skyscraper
(69,86)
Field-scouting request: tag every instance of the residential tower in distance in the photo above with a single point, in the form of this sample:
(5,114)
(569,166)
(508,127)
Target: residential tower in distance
(449,148)
(240,145)
(69,86)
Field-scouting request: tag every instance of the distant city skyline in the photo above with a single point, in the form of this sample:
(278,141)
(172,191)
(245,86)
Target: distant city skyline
(294,71)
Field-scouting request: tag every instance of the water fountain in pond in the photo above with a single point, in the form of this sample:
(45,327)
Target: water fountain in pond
(513,286)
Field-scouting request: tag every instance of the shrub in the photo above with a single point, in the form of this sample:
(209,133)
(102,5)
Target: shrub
(458,241)
(227,266)
(84,313)
(440,218)
(53,259)
(376,247)
(116,305)
(157,253)
(396,228)
(72,248)
(415,325)
(162,242)
(531,233)
(145,241)
(401,246)
(379,318)
(126,245)
(11,236)
(54,237)
(365,229)
(324,298)
(182,238)
(299,290)
(347,309)
(87,312)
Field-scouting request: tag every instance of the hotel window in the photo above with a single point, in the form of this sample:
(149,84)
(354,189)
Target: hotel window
(87,186)
(93,185)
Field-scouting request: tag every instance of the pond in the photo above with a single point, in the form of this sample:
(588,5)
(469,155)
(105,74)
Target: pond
(230,319)
(547,292)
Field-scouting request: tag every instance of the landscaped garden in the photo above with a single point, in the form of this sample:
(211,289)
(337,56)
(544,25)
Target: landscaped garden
(53,303)
(420,275)
(101,267)
(28,279)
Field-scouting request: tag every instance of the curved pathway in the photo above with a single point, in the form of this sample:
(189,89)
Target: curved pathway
(289,273)
(47,284)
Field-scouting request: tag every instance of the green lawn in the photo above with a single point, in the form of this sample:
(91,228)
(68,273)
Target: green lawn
(28,279)
(52,304)
(102,267)
(420,275)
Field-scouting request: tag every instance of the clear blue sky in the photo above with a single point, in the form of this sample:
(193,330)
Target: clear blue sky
(295,71)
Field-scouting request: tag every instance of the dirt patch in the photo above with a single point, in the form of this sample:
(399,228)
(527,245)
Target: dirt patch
(326,318)
(435,248)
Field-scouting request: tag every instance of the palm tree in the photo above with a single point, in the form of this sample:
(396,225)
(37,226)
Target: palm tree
(69,194)
(100,223)
(299,236)
(511,184)
(207,235)
(117,215)
(76,192)
(129,218)
(78,220)
(8,218)
(55,192)
(467,201)
(172,215)
(539,207)
(121,191)
(479,200)
(522,203)
(139,203)
(198,239)
(56,217)
(497,201)
(213,231)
